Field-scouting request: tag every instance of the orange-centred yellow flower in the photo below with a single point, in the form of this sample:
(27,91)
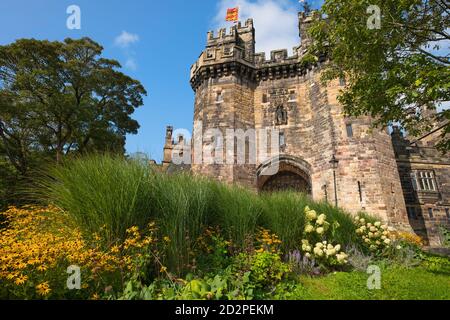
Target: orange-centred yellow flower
(43,289)
(21,280)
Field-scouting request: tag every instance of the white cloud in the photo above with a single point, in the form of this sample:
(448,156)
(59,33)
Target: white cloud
(131,64)
(276,22)
(125,39)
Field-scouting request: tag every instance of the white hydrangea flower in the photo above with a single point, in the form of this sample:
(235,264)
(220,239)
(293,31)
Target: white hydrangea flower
(320,230)
(318,251)
(341,257)
(311,214)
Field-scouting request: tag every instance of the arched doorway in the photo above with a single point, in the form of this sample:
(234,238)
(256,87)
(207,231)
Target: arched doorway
(284,173)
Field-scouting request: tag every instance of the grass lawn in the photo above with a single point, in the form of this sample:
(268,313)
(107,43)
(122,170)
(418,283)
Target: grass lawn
(396,283)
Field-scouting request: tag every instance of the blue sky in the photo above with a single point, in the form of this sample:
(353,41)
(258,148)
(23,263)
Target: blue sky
(155,41)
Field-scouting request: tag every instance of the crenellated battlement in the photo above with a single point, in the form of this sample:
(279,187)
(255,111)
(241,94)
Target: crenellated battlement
(231,34)
(280,56)
(236,45)
(222,35)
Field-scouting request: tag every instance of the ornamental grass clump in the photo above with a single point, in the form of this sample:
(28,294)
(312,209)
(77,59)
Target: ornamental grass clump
(101,191)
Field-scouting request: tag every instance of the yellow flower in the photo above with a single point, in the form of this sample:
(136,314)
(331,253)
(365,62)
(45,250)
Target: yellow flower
(42,267)
(115,249)
(163,269)
(43,289)
(166,239)
(133,229)
(311,214)
(11,276)
(21,280)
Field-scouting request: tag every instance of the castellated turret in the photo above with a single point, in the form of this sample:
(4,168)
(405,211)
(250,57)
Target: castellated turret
(240,90)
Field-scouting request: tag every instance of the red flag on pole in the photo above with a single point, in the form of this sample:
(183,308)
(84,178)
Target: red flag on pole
(232,14)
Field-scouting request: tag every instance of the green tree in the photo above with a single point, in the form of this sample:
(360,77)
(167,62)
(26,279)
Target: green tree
(397,73)
(58,98)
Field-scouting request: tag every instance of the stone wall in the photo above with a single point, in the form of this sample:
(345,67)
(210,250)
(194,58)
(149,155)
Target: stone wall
(235,88)
(428,209)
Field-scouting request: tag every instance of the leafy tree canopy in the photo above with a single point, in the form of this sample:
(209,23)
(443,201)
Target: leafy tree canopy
(58,98)
(398,73)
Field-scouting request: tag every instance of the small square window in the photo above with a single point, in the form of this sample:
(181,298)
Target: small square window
(342,82)
(430,213)
(292,96)
(447,213)
(349,129)
(264,98)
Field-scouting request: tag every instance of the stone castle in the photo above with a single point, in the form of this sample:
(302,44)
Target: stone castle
(403,180)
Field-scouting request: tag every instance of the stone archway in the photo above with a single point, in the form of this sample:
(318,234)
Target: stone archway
(284,173)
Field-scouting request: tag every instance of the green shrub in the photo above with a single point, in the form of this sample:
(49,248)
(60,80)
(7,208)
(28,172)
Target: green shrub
(436,264)
(213,251)
(265,268)
(444,234)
